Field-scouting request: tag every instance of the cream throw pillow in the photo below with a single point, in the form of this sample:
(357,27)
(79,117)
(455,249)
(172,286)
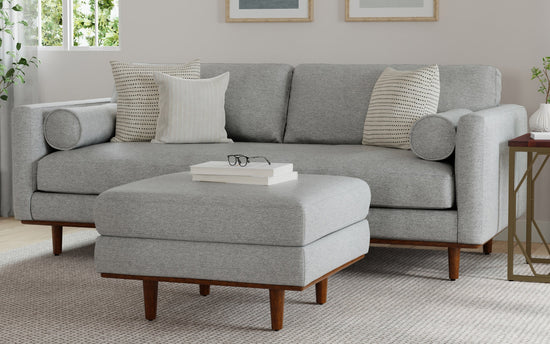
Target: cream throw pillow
(398,100)
(191,111)
(138,97)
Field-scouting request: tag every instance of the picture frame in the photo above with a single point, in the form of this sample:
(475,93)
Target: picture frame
(249,11)
(392,10)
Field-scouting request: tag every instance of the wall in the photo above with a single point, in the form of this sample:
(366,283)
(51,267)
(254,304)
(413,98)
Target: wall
(509,34)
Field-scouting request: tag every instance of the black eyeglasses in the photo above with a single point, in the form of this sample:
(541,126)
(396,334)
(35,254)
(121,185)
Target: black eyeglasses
(243,160)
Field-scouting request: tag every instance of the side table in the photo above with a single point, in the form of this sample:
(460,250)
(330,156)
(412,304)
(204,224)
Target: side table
(535,149)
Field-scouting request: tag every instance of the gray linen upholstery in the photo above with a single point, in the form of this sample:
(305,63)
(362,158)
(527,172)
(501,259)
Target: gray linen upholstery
(29,146)
(47,206)
(294,213)
(339,100)
(434,137)
(256,100)
(72,127)
(413,224)
(397,178)
(482,171)
(328,103)
(385,223)
(281,265)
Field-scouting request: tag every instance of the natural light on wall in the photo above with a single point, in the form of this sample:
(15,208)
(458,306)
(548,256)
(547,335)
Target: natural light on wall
(93,23)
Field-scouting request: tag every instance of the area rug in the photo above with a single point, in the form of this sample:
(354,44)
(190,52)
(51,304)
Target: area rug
(393,296)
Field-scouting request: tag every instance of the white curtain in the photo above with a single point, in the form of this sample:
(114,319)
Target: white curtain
(18,95)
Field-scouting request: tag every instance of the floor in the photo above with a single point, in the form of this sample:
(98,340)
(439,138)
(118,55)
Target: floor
(13,235)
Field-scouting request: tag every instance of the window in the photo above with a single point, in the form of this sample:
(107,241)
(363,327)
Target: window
(92,23)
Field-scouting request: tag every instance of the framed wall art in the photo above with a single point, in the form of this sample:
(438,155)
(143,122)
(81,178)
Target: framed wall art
(242,11)
(392,10)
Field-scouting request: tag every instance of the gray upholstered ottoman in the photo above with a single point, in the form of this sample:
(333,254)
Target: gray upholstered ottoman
(281,237)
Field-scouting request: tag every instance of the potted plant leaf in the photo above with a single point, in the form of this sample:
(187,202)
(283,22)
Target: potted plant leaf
(12,63)
(540,120)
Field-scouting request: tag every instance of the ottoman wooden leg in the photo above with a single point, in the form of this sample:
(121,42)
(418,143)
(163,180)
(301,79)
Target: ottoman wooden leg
(204,289)
(277,302)
(150,293)
(57,239)
(321,291)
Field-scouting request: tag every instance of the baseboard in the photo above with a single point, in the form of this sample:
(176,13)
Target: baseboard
(520,228)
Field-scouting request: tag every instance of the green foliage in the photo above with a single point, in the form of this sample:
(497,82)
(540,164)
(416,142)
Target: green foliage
(12,71)
(84,23)
(52,23)
(542,76)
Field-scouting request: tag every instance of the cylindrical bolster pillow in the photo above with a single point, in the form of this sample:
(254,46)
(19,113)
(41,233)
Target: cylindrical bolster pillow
(433,136)
(73,127)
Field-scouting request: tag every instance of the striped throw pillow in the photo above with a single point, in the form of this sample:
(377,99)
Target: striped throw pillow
(191,111)
(398,100)
(138,97)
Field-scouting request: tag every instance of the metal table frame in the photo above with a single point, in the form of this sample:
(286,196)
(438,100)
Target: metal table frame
(529,177)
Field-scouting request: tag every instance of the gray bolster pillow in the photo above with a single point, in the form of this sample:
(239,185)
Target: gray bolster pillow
(73,127)
(433,137)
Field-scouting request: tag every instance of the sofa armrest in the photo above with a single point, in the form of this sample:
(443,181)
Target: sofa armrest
(29,146)
(481,169)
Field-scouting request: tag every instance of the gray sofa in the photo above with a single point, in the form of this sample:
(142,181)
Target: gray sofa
(311,115)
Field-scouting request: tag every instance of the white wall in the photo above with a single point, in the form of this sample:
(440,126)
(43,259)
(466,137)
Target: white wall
(509,34)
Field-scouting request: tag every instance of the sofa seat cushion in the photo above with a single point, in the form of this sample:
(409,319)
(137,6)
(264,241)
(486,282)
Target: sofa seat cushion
(397,178)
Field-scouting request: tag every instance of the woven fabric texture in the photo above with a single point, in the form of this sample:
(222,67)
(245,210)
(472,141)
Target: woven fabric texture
(433,136)
(191,111)
(398,100)
(138,97)
(394,295)
(295,213)
(264,264)
(72,127)
(256,100)
(397,178)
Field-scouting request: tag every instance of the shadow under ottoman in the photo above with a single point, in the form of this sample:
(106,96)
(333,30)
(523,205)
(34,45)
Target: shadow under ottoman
(281,237)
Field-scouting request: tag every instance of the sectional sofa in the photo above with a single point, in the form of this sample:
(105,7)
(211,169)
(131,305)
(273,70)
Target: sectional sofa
(311,115)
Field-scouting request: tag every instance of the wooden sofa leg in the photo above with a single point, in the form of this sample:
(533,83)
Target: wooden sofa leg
(277,303)
(150,295)
(488,247)
(57,239)
(204,289)
(454,262)
(321,291)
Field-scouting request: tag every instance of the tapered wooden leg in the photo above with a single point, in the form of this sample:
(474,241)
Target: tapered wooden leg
(321,291)
(277,302)
(488,247)
(204,289)
(57,239)
(454,262)
(150,293)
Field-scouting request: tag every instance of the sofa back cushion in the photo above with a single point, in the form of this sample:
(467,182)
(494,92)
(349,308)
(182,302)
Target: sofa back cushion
(328,103)
(256,100)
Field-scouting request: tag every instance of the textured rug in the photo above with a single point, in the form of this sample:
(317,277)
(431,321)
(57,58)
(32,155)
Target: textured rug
(394,295)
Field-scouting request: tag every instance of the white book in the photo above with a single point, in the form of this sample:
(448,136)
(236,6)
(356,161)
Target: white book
(540,135)
(253,169)
(246,179)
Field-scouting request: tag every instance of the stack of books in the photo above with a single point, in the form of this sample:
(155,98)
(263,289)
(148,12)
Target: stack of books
(255,173)
(540,135)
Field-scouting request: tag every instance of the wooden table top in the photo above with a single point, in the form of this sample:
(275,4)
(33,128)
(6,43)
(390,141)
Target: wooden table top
(526,141)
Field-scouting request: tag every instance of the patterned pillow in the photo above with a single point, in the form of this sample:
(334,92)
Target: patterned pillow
(138,97)
(398,100)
